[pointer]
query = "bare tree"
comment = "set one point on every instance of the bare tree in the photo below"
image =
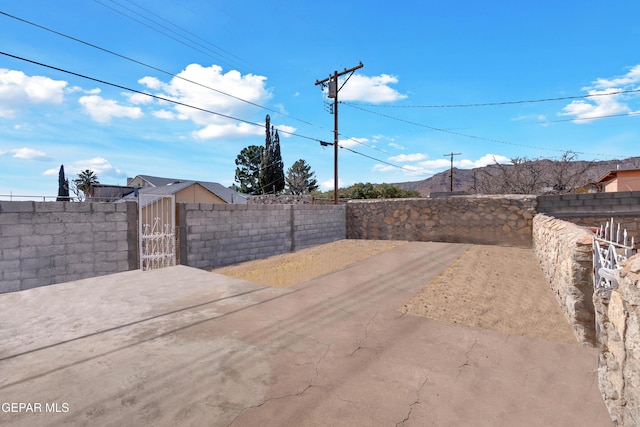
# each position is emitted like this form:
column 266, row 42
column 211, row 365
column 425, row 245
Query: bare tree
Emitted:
column 534, row 176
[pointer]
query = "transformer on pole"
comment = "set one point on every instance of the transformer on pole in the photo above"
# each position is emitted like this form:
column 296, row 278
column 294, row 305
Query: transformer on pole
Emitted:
column 333, row 89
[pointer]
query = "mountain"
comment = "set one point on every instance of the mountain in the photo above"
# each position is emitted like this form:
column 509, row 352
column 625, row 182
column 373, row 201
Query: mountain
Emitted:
column 551, row 173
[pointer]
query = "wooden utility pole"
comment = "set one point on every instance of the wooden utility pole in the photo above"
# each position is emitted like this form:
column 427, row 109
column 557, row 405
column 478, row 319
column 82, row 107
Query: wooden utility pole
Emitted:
column 333, row 93
column 451, row 173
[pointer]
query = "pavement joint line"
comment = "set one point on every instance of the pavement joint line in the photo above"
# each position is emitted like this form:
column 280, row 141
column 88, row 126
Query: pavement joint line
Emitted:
column 130, row 324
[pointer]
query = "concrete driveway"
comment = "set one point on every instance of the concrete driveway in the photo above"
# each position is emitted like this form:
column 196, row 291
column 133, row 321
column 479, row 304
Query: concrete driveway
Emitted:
column 182, row 346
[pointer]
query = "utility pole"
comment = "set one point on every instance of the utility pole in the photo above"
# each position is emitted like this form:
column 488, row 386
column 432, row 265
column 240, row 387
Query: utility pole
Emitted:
column 333, row 93
column 451, row 173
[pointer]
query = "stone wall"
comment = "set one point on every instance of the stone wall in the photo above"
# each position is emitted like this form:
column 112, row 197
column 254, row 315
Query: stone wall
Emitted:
column 218, row 235
column 565, row 253
column 618, row 322
column 485, row 220
column 53, row 242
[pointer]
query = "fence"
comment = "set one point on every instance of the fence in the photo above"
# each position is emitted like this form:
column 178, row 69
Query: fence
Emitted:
column 608, row 253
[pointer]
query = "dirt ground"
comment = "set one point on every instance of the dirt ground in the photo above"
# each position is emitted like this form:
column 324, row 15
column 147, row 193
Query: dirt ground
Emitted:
column 490, row 287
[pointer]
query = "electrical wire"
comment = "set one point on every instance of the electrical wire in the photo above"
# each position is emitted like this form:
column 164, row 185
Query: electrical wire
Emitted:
column 185, row 30
column 159, row 31
column 633, row 113
column 161, row 98
column 491, row 104
column 135, row 61
column 480, row 138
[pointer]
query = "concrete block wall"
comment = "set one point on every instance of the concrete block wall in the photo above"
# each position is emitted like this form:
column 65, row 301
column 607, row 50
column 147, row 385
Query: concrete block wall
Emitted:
column 218, row 235
column 42, row 243
column 619, row 204
column 565, row 253
column 485, row 220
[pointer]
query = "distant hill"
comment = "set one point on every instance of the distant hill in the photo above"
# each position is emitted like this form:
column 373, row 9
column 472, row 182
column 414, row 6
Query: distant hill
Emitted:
column 466, row 179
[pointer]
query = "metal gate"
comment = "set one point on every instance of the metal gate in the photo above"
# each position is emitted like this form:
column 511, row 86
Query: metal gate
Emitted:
column 608, row 252
column 156, row 231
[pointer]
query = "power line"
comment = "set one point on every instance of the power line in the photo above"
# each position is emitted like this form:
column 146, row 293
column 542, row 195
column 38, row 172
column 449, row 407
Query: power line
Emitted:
column 491, row 104
column 633, row 113
column 480, row 138
column 184, row 30
column 188, row 105
column 159, row 31
column 151, row 67
column 152, row 95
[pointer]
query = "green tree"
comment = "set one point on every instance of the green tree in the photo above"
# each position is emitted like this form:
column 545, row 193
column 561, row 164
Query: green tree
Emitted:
column 63, row 186
column 83, row 183
column 248, row 169
column 272, row 168
column 300, row 179
column 371, row 191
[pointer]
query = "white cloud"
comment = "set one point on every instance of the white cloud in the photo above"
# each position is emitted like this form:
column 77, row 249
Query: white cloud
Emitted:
column 352, row 142
column 397, row 146
column 28, row 154
column 370, row 89
column 248, row 87
column 17, row 90
column 164, row 114
column 423, row 166
column 328, row 184
column 139, row 98
column 408, row 170
column 631, row 78
column 151, row 83
column 487, row 159
column 103, row 110
column 404, row 158
column 99, row 165
column 605, row 103
column 597, row 106
column 227, row 130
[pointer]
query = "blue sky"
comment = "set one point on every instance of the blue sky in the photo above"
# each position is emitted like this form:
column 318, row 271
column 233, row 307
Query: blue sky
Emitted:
column 427, row 66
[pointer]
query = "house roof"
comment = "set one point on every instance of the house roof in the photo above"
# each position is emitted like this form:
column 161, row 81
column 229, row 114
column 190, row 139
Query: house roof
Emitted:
column 167, row 186
column 614, row 174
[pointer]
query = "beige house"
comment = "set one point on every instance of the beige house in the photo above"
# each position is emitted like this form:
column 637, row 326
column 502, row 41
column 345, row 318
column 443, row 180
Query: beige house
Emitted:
column 620, row 180
column 185, row 191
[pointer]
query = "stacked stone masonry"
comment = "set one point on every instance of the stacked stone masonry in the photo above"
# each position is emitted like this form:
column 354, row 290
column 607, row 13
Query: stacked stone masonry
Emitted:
column 564, row 251
column 618, row 323
column 485, row 220
column 53, row 242
column 218, row 235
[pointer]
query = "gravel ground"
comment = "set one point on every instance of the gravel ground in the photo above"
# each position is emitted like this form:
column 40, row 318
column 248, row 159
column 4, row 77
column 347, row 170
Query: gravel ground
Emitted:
column 489, row 287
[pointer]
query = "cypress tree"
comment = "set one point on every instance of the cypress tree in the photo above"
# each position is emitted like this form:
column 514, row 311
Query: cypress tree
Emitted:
column 63, row 186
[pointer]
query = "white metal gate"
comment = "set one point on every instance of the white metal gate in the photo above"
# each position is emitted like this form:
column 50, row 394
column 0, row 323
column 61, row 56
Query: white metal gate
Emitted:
column 608, row 252
column 156, row 231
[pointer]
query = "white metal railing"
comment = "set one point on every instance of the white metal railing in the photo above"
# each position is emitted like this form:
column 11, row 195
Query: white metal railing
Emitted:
column 608, row 252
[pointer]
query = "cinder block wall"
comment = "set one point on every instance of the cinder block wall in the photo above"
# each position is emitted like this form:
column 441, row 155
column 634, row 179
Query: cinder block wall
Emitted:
column 618, row 204
column 485, row 220
column 565, row 253
column 218, row 235
column 42, row 243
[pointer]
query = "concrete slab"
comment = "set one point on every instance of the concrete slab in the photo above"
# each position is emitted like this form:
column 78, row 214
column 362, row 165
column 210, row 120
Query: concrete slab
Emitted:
column 186, row 347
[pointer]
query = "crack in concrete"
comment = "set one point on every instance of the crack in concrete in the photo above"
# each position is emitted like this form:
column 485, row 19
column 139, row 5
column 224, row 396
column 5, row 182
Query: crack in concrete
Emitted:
column 366, row 333
column 286, row 396
column 466, row 355
column 415, row 402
